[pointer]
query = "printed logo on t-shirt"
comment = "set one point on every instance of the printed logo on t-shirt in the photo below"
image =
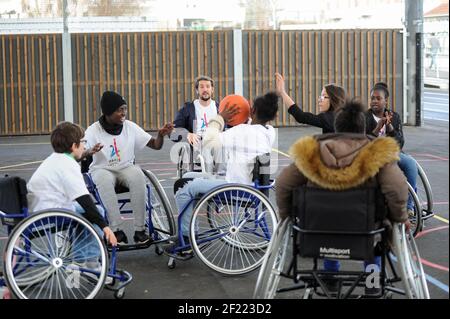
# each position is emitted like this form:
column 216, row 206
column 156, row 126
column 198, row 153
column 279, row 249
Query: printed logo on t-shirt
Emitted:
column 115, row 153
column 204, row 123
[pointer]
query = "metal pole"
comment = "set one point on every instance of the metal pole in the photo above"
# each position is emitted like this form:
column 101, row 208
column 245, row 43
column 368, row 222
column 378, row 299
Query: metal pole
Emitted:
column 414, row 72
column 67, row 67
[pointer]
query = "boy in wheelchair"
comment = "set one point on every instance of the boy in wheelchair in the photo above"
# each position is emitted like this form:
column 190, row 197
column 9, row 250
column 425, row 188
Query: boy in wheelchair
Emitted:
column 114, row 164
column 344, row 161
column 240, row 146
column 58, row 182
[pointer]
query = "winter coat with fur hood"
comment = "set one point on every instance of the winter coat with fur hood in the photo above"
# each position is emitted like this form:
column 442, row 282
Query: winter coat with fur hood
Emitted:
column 342, row 161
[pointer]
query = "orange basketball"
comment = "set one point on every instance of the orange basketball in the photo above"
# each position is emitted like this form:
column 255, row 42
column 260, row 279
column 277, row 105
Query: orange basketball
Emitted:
column 241, row 103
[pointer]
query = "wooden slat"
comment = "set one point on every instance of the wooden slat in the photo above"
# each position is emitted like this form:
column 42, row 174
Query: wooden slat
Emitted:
column 220, row 65
column 290, row 75
column 227, row 91
column 150, row 80
column 250, row 76
column 157, row 64
column 129, row 93
column 330, row 56
column 297, row 72
column 375, row 58
column 137, row 105
column 179, row 101
column 41, row 80
column 382, row 58
column 19, row 84
column 370, row 76
column 34, row 85
column 101, row 87
column 5, row 88
column 144, row 82
column 318, row 85
column 55, row 70
column 171, row 88
column 27, row 85
column 394, row 71
column 257, row 68
column 93, row 60
column 304, row 70
column 164, row 77
column 11, row 78
column 122, row 72
column 49, row 91
column 78, row 78
column 310, row 74
column 108, row 66
column 115, row 66
column 185, row 67
column 87, row 104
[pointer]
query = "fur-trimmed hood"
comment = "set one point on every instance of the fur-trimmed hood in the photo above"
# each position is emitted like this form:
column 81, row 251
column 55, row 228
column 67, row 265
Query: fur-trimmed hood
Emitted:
column 342, row 161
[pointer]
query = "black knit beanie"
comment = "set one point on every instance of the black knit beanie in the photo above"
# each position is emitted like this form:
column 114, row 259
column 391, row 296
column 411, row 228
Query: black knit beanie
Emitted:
column 110, row 102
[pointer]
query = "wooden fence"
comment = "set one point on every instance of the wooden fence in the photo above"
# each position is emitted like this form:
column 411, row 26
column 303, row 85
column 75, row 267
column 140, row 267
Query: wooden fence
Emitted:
column 154, row 71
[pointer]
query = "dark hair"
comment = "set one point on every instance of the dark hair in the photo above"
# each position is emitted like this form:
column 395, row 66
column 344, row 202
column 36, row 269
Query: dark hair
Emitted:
column 266, row 106
column 64, row 135
column 203, row 78
column 350, row 118
column 380, row 86
column 336, row 94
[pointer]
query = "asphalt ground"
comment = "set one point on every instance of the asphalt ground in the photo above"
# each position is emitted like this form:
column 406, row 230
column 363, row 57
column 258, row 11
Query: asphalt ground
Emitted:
column 20, row 156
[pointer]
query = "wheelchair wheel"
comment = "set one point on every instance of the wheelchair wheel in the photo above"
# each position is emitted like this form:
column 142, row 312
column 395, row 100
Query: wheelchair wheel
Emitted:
column 159, row 208
column 415, row 216
column 231, row 228
column 274, row 262
column 424, row 193
column 55, row 255
column 413, row 276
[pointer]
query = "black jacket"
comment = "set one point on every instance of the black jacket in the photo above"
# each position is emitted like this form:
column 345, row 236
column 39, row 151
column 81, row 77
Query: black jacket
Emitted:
column 397, row 133
column 186, row 116
column 323, row 120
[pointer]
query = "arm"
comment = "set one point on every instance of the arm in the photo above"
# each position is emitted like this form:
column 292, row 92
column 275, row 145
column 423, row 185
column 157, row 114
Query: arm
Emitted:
column 181, row 118
column 157, row 143
column 395, row 190
column 91, row 151
column 308, row 118
column 289, row 179
column 93, row 215
column 394, row 129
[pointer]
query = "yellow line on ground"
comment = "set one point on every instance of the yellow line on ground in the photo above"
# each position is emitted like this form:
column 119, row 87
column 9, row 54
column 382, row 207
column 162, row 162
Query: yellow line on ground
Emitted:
column 280, row 152
column 18, row 165
column 442, row 219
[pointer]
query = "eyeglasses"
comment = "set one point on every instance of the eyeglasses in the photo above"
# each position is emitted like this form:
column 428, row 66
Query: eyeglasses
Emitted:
column 322, row 97
column 83, row 141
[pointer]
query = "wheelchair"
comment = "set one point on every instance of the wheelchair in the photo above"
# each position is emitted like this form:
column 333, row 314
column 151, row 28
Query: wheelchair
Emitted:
column 422, row 198
column 348, row 227
column 45, row 255
column 231, row 225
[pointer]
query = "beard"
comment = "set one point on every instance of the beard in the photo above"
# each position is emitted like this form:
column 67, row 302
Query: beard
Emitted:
column 205, row 97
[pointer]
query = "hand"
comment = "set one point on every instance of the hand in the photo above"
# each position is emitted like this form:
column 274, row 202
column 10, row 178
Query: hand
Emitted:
column 192, row 138
column 109, row 235
column 279, row 80
column 94, row 149
column 228, row 112
column 388, row 115
column 381, row 123
column 166, row 129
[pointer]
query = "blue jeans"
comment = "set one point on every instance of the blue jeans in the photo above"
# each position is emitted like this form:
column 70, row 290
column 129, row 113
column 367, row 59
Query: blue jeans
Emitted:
column 334, row 265
column 190, row 191
column 408, row 165
column 86, row 246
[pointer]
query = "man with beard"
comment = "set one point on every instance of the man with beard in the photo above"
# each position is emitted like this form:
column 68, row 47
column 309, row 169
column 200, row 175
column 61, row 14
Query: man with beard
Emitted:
column 195, row 116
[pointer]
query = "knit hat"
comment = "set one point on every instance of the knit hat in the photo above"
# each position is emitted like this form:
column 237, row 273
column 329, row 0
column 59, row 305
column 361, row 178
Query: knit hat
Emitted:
column 110, row 102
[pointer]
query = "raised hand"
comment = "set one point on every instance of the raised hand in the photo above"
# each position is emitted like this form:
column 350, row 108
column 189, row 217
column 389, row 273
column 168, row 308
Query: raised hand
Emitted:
column 279, row 81
column 228, row 112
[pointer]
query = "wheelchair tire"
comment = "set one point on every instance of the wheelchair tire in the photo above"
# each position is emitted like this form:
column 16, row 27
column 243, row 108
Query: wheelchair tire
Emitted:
column 424, row 192
column 274, row 262
column 408, row 259
column 416, row 217
column 231, row 227
column 43, row 258
column 160, row 209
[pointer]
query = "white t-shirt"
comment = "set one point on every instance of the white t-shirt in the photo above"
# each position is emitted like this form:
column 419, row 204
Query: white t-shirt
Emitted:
column 383, row 129
column 203, row 116
column 56, row 183
column 118, row 151
column 242, row 144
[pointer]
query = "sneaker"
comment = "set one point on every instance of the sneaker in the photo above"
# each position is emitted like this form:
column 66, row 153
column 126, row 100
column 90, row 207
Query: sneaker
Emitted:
column 372, row 292
column 140, row 237
column 121, row 237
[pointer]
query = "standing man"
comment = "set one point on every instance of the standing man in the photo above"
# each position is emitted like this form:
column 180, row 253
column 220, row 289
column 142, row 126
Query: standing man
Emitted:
column 195, row 116
column 435, row 47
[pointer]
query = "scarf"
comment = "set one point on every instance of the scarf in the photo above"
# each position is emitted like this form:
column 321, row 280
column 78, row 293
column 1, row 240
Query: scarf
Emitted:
column 114, row 129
